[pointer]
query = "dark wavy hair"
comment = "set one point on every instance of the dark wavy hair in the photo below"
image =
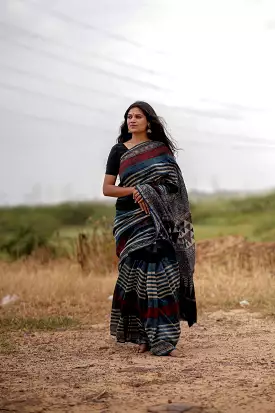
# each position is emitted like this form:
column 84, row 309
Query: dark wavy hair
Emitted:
column 157, row 126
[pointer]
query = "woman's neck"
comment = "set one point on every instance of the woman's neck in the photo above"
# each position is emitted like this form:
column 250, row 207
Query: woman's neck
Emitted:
column 139, row 137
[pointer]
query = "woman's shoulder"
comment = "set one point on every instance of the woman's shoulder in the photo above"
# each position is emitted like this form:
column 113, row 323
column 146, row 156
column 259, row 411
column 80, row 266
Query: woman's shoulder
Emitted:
column 113, row 162
column 118, row 147
column 117, row 151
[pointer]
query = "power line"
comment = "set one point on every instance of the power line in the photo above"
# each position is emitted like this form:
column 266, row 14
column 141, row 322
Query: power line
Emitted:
column 92, row 127
column 92, row 90
column 202, row 113
column 45, row 78
column 85, row 88
column 114, row 36
column 53, row 120
column 101, row 92
column 45, row 39
column 101, row 111
column 50, row 97
column 89, row 53
column 233, row 145
column 84, row 66
column 244, row 138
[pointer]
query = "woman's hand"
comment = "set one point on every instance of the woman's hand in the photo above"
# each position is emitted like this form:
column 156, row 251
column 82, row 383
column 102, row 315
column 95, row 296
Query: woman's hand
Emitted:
column 138, row 198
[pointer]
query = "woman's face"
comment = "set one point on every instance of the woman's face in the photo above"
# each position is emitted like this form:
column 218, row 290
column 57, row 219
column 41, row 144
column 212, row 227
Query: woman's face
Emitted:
column 136, row 121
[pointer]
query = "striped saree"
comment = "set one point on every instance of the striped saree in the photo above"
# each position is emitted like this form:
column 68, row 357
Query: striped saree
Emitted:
column 155, row 288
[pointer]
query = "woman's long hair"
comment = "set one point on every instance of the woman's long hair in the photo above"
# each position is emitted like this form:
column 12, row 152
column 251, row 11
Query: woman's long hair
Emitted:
column 159, row 132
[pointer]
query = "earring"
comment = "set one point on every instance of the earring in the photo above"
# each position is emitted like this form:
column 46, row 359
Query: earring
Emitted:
column 149, row 128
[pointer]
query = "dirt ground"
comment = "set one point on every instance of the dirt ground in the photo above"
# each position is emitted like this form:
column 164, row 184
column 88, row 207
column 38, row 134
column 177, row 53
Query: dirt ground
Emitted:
column 228, row 363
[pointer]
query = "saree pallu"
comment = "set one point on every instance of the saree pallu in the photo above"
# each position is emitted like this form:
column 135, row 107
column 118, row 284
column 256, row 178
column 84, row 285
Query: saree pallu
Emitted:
column 155, row 288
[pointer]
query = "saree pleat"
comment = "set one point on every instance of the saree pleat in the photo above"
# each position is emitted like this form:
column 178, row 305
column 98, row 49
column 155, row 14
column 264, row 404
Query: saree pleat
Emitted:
column 145, row 302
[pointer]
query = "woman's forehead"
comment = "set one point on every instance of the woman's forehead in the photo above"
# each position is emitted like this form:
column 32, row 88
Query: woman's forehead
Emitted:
column 135, row 111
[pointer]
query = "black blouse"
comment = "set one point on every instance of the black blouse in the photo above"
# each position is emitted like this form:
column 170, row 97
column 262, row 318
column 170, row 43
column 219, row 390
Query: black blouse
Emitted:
column 114, row 157
column 125, row 203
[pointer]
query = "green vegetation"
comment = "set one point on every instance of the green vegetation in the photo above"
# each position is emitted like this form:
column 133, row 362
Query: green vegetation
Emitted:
column 25, row 229
column 252, row 217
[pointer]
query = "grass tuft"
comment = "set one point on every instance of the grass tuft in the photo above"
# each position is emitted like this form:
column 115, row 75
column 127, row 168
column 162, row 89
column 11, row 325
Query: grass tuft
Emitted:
column 7, row 345
column 33, row 324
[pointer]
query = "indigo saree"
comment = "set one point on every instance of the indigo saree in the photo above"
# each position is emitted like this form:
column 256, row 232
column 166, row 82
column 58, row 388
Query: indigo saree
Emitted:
column 154, row 290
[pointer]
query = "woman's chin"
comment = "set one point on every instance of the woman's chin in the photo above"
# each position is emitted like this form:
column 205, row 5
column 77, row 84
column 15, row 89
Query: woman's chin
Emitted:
column 136, row 130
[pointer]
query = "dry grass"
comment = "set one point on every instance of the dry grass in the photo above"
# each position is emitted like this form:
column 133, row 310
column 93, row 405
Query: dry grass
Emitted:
column 224, row 287
column 227, row 272
column 57, row 289
column 231, row 269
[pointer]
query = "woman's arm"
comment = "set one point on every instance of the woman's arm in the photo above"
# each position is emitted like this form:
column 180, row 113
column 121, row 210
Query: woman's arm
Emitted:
column 110, row 189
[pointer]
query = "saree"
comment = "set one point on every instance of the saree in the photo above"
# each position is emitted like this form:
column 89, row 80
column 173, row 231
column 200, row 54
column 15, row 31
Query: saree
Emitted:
column 155, row 289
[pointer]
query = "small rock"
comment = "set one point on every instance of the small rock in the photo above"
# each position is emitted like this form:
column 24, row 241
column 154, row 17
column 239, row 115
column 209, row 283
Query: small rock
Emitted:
column 8, row 299
column 171, row 407
column 179, row 408
column 244, row 303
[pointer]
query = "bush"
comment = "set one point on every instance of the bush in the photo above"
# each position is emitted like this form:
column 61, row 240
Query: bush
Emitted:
column 70, row 214
column 24, row 229
column 96, row 251
column 28, row 235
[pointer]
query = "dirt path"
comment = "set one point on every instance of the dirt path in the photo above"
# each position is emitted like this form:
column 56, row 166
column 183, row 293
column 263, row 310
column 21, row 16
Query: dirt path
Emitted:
column 229, row 363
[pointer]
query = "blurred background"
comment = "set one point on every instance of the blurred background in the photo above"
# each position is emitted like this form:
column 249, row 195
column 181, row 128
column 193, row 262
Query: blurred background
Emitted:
column 69, row 69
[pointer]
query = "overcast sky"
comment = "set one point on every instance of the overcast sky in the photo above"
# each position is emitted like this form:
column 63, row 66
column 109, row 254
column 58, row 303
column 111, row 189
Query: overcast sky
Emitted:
column 70, row 68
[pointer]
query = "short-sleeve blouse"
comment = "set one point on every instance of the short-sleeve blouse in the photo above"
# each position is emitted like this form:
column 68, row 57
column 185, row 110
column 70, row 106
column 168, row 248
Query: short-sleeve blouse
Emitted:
column 125, row 203
column 113, row 162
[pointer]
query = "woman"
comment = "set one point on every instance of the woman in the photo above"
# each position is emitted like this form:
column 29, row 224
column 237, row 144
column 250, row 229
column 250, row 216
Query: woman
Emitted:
column 154, row 236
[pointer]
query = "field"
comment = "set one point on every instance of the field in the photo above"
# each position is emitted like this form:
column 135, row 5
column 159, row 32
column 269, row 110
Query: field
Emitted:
column 55, row 351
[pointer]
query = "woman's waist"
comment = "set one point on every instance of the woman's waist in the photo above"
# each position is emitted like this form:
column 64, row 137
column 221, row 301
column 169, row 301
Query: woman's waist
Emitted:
column 126, row 203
